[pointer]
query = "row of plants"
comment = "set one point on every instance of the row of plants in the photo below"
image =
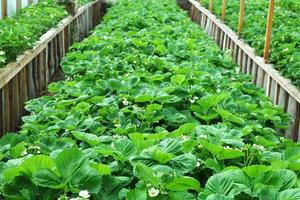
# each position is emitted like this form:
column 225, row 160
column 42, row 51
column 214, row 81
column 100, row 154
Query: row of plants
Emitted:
column 22, row 31
column 151, row 109
column 285, row 46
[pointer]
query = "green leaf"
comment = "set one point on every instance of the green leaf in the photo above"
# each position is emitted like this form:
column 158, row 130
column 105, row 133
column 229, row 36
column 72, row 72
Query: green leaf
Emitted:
column 181, row 196
column 215, row 149
column 291, row 194
column 102, row 169
column 126, row 147
column 214, row 165
column 178, row 79
column 184, row 163
column 161, row 156
column 143, row 98
column 183, row 184
column 68, row 161
column 221, row 183
column 115, row 84
column 145, row 173
column 211, row 100
column 86, row 178
column 91, row 139
column 36, row 163
column 136, row 194
column 230, row 154
column 17, row 150
column 171, row 145
column 254, row 170
column 47, row 178
column 218, row 197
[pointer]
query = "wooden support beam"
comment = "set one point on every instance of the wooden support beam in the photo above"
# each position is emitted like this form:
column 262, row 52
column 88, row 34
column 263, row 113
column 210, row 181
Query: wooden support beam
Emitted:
column 30, row 2
column 224, row 7
column 241, row 17
column 4, row 8
column 269, row 30
column 211, row 5
column 19, row 4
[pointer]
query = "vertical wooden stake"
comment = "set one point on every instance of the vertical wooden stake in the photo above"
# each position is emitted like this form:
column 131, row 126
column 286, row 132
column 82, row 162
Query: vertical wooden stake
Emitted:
column 4, row 8
column 241, row 18
column 224, row 7
column 18, row 4
column 30, row 2
column 211, row 5
column 269, row 30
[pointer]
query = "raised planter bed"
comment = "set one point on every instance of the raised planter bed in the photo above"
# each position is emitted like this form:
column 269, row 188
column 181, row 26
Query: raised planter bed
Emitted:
column 28, row 77
column 280, row 90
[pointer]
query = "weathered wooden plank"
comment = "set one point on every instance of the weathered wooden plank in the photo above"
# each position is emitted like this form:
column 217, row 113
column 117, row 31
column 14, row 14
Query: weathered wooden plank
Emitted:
column 292, row 109
column 282, row 98
column 4, row 8
column 273, row 90
column 41, row 80
column 254, row 72
column 24, row 88
column 36, row 75
column 14, row 103
column 2, row 120
column 31, row 85
column 5, row 108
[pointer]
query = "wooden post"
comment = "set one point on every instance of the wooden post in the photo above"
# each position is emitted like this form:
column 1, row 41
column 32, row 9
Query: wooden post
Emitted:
column 4, row 8
column 269, row 30
column 18, row 4
column 211, row 5
column 224, row 6
column 241, row 18
column 30, row 2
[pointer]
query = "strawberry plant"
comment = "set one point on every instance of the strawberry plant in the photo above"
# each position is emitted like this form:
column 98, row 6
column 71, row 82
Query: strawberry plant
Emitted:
column 285, row 46
column 151, row 109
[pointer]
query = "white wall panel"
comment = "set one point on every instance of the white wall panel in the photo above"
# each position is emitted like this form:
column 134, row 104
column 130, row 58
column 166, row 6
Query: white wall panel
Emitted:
column 11, row 7
column 0, row 9
column 24, row 3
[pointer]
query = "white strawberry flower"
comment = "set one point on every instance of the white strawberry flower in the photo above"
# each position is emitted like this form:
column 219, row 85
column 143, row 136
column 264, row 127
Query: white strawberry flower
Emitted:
column 164, row 192
column 118, row 125
column 185, row 137
column 203, row 136
column 112, row 145
column 259, row 147
column 24, row 153
column 2, row 53
column 192, row 100
column 237, row 149
column 227, row 147
column 198, row 164
column 153, row 192
column 125, row 102
column 84, row 194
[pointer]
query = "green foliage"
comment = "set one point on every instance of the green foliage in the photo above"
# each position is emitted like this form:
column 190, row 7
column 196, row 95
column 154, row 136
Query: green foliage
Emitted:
column 151, row 109
column 285, row 48
column 20, row 32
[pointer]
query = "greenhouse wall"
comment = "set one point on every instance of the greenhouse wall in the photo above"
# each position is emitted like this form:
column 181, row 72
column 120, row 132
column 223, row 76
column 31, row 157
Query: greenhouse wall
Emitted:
column 10, row 7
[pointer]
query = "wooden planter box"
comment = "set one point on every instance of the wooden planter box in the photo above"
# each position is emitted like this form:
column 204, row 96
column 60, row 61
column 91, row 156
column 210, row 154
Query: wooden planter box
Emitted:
column 28, row 77
column 280, row 90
